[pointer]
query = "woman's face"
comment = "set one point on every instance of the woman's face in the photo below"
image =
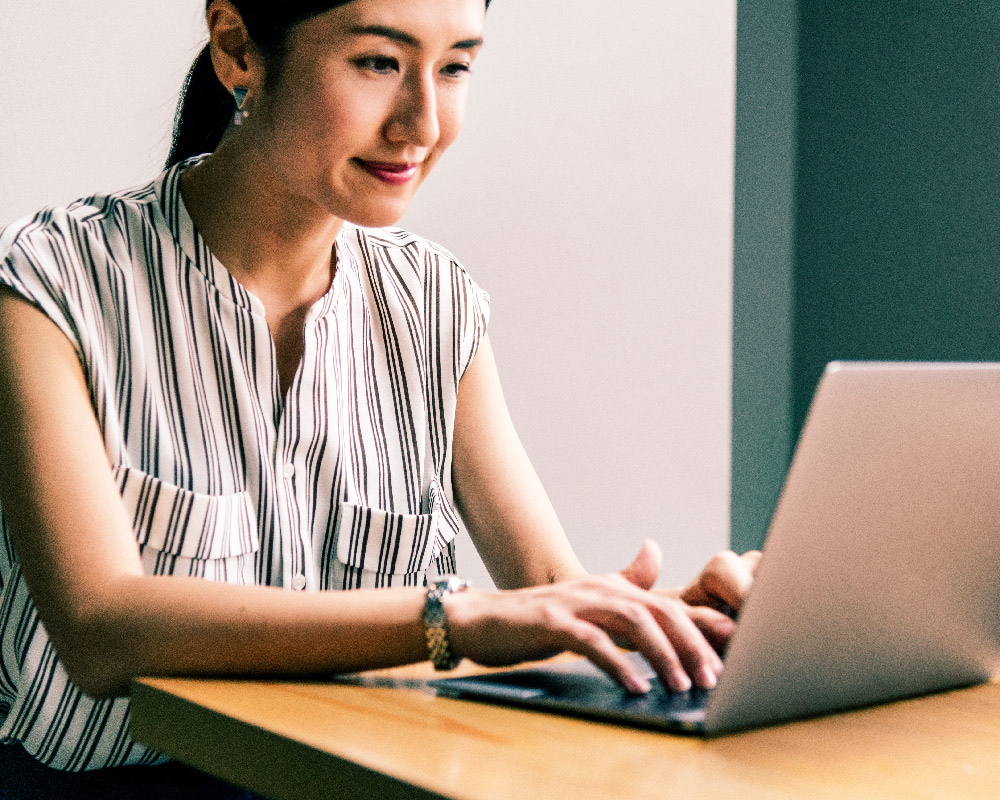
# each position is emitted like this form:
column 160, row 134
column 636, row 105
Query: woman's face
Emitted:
column 369, row 96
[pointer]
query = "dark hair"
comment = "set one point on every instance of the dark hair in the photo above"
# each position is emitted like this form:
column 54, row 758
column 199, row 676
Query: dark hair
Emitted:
column 206, row 107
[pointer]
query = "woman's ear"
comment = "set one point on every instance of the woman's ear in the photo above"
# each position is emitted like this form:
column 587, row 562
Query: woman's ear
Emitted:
column 236, row 60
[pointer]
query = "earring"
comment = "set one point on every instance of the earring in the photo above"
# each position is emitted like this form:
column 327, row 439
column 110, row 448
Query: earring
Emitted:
column 240, row 94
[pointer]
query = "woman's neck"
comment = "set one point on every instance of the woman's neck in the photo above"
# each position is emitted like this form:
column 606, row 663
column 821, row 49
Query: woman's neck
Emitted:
column 279, row 247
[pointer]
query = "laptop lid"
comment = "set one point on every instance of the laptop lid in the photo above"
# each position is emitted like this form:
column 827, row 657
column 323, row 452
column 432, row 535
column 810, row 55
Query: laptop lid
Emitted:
column 881, row 575
column 881, row 570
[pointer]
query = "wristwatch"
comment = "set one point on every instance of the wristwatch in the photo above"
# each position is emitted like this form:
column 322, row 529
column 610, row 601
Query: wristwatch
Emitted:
column 436, row 622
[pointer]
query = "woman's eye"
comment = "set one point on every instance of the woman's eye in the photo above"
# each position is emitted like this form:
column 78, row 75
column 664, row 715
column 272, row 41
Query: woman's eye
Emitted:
column 456, row 70
column 383, row 65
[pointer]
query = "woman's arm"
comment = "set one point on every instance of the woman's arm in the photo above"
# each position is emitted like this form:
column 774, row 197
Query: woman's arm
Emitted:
column 502, row 501
column 515, row 528
column 81, row 562
column 510, row 518
column 110, row 623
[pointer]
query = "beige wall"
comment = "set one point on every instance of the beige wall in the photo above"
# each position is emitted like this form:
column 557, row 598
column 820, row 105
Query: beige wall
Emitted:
column 87, row 94
column 591, row 194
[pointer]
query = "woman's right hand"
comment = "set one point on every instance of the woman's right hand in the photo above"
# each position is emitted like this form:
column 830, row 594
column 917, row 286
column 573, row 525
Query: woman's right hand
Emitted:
column 587, row 615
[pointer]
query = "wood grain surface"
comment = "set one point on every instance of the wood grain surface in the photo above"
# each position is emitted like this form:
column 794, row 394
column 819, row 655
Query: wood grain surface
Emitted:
column 297, row 740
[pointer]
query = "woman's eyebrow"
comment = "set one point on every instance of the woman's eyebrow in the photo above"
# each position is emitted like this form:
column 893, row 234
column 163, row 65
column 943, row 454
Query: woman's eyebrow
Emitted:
column 403, row 37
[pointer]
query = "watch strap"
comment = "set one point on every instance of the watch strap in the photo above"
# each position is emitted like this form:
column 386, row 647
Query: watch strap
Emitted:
column 436, row 622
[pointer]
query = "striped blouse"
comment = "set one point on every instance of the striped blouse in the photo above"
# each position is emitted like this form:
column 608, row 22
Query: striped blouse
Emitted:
column 344, row 482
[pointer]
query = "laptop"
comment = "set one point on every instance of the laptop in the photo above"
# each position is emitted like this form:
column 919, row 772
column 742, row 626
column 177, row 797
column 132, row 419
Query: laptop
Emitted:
column 881, row 571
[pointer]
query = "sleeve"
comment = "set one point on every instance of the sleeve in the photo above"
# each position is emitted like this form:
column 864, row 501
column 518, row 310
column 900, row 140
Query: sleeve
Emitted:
column 472, row 317
column 37, row 264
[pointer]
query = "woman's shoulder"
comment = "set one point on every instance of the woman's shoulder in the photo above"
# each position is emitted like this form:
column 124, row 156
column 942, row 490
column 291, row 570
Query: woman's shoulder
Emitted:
column 65, row 260
column 397, row 239
column 426, row 266
column 91, row 222
column 406, row 247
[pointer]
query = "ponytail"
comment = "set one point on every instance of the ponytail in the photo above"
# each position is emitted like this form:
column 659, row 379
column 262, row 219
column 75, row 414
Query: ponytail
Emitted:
column 203, row 114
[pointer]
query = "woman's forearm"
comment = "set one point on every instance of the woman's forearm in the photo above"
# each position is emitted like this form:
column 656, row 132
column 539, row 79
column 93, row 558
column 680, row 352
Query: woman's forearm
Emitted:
column 502, row 501
column 187, row 626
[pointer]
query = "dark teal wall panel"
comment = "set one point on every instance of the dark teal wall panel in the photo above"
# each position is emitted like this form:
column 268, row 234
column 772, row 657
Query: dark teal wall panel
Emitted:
column 897, row 186
column 763, row 259
column 884, row 242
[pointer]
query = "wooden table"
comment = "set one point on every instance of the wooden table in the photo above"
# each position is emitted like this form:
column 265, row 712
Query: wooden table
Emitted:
column 308, row 740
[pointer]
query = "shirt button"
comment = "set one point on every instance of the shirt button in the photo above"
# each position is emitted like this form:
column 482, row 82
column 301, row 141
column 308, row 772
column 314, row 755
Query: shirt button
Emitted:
column 288, row 471
column 299, row 583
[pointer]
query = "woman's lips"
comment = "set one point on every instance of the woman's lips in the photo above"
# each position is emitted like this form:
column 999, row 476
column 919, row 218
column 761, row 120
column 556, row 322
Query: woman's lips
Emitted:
column 387, row 172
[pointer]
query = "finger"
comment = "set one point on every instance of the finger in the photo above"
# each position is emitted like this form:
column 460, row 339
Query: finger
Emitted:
column 715, row 626
column 645, row 568
column 586, row 639
column 730, row 581
column 699, row 658
column 751, row 558
column 658, row 627
column 726, row 579
column 637, row 624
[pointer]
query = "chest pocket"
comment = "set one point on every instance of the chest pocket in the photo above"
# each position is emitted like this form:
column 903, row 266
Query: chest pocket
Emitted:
column 181, row 532
column 383, row 548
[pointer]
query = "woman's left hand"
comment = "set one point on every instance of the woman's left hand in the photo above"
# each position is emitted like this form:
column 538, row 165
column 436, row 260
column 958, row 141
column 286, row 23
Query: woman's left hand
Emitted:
column 722, row 585
column 724, row 582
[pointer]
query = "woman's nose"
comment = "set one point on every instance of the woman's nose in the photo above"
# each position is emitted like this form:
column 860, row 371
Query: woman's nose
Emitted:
column 415, row 118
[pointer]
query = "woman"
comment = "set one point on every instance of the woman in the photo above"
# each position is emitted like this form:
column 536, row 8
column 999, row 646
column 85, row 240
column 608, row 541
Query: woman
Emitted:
column 230, row 392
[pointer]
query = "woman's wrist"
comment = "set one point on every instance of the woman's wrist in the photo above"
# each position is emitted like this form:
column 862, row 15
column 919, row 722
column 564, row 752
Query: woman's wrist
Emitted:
column 461, row 610
column 568, row 572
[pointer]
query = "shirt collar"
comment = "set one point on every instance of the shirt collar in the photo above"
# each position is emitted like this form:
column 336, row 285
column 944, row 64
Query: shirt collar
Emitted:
column 194, row 247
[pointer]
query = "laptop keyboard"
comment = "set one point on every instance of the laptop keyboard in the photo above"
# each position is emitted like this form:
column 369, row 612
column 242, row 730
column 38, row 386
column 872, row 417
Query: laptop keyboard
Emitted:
column 659, row 699
column 583, row 690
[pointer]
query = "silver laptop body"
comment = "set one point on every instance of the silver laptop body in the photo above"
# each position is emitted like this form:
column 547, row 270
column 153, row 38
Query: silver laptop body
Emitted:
column 881, row 571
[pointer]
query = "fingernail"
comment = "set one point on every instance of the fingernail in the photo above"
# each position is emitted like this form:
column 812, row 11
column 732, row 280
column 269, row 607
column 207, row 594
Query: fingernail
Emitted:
column 708, row 677
column 638, row 685
column 681, row 682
